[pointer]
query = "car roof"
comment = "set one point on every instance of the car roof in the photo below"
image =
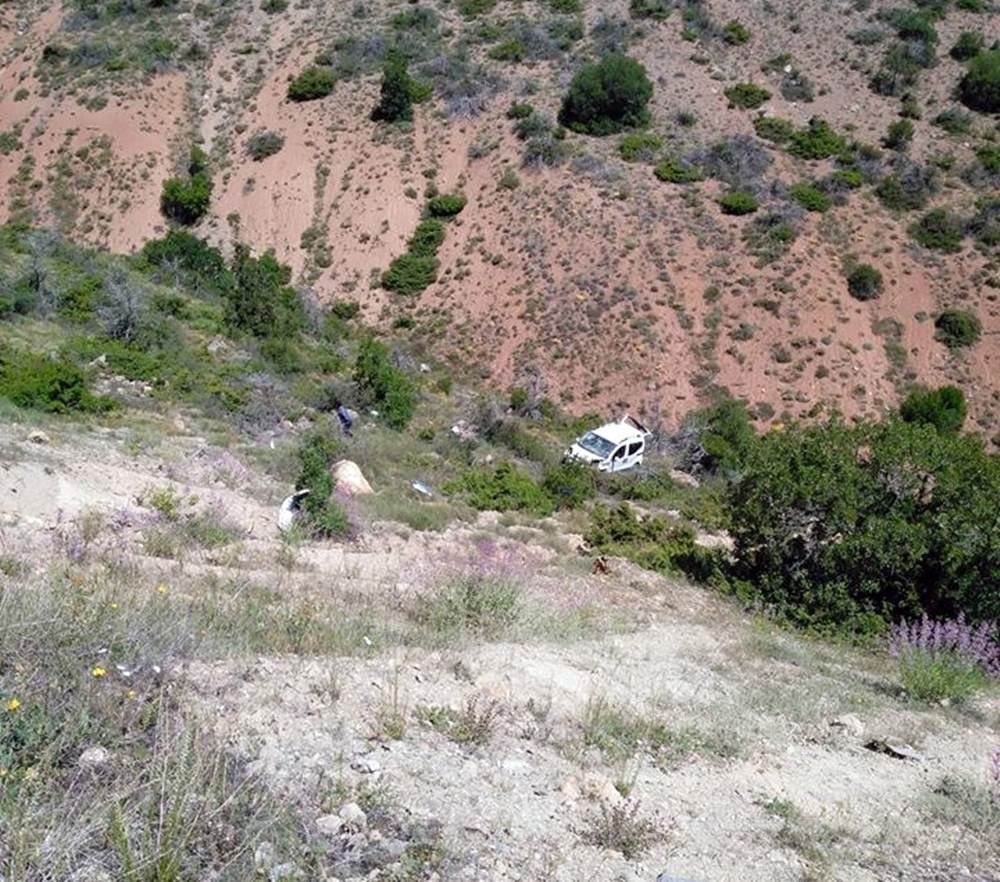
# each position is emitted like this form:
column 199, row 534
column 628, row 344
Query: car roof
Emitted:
column 618, row 432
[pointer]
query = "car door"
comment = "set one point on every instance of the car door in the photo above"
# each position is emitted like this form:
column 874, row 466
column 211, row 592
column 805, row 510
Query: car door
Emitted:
column 619, row 458
column 633, row 454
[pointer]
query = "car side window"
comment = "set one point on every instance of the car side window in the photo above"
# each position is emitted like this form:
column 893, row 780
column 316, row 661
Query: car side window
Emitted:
column 634, row 448
column 619, row 453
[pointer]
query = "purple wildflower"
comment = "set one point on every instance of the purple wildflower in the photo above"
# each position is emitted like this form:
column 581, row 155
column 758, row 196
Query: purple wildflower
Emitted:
column 975, row 644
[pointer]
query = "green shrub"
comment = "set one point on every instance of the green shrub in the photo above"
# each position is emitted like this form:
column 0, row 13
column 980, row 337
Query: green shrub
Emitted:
column 944, row 408
column 724, row 435
column 810, row 197
column 447, row 204
column 314, row 82
column 426, row 238
column 980, row 87
column 658, row 10
column 774, row 129
column 272, row 7
column 676, row 171
column 263, row 144
column 957, row 328
column 850, row 178
column 51, row 385
column 323, row 514
column 607, row 97
column 747, row 96
column 382, row 385
column 509, row 50
column 899, row 135
column 736, row 33
column 936, row 675
column 77, row 302
column 570, row 484
column 852, row 527
column 566, row 7
column 640, row 146
column 186, row 200
column 817, row 141
column 953, row 121
column 864, row 282
column 472, row 8
column 410, row 273
column 939, row 230
column 989, row 157
column 520, row 110
column 395, row 101
column 261, row 301
column 502, row 488
column 968, row 45
column 738, row 202
column 203, row 265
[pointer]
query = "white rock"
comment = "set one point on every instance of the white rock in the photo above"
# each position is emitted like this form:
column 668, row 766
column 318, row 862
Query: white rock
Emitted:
column 849, row 724
column 283, row 872
column 366, row 764
column 679, row 477
column 264, row 857
column 37, row 436
column 425, row 368
column 599, row 787
column 354, row 818
column 329, row 825
column 348, row 479
column 94, row 758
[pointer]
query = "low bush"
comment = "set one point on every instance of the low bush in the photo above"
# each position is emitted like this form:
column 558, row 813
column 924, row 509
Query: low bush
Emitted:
column 395, row 96
column 957, row 328
column 747, row 96
column 520, row 110
column 263, row 144
column 738, row 202
column 607, row 97
column 908, row 188
column 570, row 484
column 410, row 273
column 816, row 141
column 324, row 516
column 939, row 230
column 968, row 45
column 447, row 204
column 658, row 10
column 676, row 171
column 899, row 135
column 380, row 384
column 50, row 385
column 810, row 197
column 979, row 89
column 261, row 301
column 427, row 237
column 502, row 488
column 985, row 223
column 736, row 33
column 640, row 146
column 186, row 200
column 313, row 83
column 953, row 121
column 944, row 408
column 864, row 282
column 774, row 129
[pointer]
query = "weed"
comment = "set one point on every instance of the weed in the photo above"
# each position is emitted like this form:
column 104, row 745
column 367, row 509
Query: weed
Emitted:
column 621, row 828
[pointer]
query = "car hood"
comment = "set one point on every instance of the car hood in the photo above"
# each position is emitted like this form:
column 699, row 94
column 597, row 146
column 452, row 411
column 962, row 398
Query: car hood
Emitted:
column 578, row 452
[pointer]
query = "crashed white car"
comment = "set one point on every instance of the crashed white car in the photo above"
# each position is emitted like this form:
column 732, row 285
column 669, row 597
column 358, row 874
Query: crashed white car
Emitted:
column 614, row 447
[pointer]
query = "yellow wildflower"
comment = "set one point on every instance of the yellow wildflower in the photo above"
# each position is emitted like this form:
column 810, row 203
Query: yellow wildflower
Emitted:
column 114, row 606
column 161, row 588
column 130, row 693
column 13, row 704
column 98, row 671
column 3, row 772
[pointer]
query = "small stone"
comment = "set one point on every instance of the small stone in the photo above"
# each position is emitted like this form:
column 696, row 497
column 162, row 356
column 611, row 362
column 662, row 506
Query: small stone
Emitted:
column 264, row 857
column 849, row 724
column 354, row 818
column 37, row 436
column 599, row 787
column 94, row 758
column 571, row 789
column 367, row 765
column 425, row 368
column 329, row 825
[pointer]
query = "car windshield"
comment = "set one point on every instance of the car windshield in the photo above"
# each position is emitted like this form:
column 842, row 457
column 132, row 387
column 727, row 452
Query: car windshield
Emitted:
column 597, row 445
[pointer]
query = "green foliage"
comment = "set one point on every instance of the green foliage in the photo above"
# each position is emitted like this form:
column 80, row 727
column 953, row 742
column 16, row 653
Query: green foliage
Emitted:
column 979, row 89
column 380, row 384
column 447, row 204
column 736, row 33
column 675, row 171
column 725, row 435
column 816, row 141
column 864, row 282
column 473, row 8
column 508, row 50
column 262, row 302
column 263, row 144
column 957, row 328
column 655, row 543
column 395, row 101
column 427, row 237
column 77, row 302
column 607, row 97
column 936, row 675
column 968, row 45
column 853, row 527
column 313, row 83
column 774, row 129
column 810, row 197
column 570, row 484
column 204, row 266
column 989, row 157
column 324, row 516
column 410, row 273
column 639, row 146
column 899, row 135
column 520, row 110
column 51, row 385
column 738, row 202
column 502, row 488
column 939, row 230
column 186, row 200
column 954, row 121
column 747, row 96
column 658, row 10
column 944, row 408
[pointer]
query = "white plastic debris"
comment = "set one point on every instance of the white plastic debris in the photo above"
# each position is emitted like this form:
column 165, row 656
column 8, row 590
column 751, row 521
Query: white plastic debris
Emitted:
column 290, row 509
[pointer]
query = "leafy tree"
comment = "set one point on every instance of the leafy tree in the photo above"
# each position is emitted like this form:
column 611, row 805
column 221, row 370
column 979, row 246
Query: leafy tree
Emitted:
column 382, row 385
column 607, row 97
column 395, row 104
column 864, row 282
column 944, row 408
column 852, row 527
column 186, row 200
column 957, row 328
column 261, row 301
column 980, row 87
column 724, row 436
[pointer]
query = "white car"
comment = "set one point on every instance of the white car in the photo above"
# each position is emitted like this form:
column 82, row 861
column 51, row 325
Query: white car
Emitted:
column 614, row 447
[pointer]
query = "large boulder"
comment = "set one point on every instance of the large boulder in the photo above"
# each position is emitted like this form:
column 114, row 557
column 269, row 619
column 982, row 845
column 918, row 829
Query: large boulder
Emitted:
column 348, row 480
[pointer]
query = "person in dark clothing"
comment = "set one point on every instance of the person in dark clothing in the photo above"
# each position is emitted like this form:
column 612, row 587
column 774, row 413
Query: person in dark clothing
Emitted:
column 344, row 416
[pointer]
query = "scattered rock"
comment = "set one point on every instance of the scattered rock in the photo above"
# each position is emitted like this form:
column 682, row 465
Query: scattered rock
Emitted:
column 37, row 436
column 348, row 480
column 571, row 789
column 683, row 478
column 353, row 817
column 599, row 787
column 367, row 765
column 94, row 758
column 849, row 724
column 329, row 825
